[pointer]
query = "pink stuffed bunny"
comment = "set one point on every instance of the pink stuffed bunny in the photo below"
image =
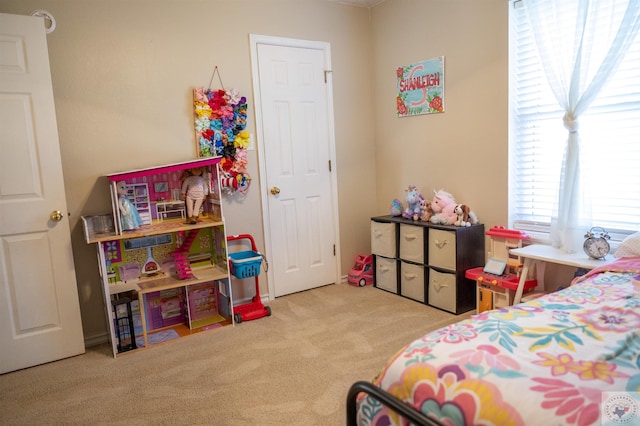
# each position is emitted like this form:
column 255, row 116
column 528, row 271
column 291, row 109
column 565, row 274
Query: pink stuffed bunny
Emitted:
column 443, row 206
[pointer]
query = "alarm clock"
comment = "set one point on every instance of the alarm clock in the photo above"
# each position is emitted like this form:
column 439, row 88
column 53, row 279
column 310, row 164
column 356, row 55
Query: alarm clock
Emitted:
column 596, row 245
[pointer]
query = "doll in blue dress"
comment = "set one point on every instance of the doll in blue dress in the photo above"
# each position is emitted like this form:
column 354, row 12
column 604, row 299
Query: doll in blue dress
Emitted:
column 129, row 216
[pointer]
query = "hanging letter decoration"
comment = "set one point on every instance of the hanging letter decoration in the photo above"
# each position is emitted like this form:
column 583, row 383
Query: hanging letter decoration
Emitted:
column 220, row 124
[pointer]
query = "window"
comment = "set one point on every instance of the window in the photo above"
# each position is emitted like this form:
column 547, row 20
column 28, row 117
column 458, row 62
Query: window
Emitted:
column 609, row 132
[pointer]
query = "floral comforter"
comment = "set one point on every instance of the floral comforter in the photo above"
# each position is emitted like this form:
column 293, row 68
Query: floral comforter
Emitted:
column 545, row 362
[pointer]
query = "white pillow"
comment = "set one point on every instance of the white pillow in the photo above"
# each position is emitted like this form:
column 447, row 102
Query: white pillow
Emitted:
column 629, row 247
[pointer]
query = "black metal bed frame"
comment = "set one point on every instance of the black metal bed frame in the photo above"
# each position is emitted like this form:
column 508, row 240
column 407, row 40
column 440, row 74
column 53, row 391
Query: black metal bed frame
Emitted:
column 390, row 401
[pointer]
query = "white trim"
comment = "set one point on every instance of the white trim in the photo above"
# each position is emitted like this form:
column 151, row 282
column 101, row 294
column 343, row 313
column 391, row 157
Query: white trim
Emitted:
column 255, row 40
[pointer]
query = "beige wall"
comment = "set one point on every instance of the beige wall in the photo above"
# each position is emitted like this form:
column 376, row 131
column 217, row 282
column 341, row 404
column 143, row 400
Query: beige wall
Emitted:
column 463, row 150
column 123, row 71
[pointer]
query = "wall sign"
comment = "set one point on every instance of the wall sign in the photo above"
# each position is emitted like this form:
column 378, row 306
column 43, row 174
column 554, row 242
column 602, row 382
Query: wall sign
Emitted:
column 420, row 88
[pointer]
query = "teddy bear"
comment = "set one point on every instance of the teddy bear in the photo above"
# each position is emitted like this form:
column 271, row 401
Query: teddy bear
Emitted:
column 425, row 210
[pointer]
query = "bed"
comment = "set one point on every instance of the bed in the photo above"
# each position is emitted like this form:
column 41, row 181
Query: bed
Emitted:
column 546, row 362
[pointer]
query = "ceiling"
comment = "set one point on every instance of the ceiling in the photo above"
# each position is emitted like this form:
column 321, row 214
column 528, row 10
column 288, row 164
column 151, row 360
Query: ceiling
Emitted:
column 362, row 3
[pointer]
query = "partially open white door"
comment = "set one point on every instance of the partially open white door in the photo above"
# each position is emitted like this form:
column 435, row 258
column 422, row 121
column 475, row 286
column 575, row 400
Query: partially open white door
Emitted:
column 39, row 309
column 297, row 159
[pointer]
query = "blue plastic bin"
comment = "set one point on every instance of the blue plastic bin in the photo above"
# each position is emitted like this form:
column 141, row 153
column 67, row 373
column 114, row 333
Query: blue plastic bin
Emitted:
column 245, row 264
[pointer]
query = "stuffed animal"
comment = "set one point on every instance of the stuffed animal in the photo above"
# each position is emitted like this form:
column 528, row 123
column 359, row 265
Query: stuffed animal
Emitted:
column 443, row 206
column 396, row 207
column 413, row 209
column 466, row 216
column 425, row 210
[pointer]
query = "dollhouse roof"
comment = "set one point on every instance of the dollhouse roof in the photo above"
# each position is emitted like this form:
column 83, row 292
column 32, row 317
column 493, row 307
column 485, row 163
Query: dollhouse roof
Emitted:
column 200, row 162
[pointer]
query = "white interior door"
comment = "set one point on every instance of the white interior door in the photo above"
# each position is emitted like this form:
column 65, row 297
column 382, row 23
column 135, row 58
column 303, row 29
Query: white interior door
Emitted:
column 295, row 128
column 39, row 309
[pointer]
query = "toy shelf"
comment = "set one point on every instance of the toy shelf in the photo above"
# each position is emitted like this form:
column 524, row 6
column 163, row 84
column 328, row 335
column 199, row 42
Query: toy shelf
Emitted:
column 201, row 275
column 156, row 285
column 165, row 282
column 167, row 226
column 123, row 287
column 183, row 329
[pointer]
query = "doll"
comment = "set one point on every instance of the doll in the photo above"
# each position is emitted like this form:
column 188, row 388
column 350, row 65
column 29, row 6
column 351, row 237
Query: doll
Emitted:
column 129, row 216
column 194, row 191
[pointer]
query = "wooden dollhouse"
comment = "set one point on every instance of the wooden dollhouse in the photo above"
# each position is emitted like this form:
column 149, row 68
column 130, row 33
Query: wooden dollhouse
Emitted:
column 169, row 274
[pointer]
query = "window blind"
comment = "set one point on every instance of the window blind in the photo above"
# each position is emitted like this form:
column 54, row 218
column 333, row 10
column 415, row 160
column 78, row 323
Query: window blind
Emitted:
column 609, row 132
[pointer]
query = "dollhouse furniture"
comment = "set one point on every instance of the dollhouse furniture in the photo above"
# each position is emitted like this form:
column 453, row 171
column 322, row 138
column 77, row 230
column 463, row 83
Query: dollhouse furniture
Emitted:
column 129, row 271
column 188, row 290
column 166, row 209
column 426, row 262
column 138, row 193
column 123, row 319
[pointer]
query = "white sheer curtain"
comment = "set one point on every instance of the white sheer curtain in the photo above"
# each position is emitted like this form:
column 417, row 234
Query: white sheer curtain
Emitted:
column 580, row 43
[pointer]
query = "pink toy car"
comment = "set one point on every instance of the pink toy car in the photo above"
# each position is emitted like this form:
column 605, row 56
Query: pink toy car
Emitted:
column 362, row 272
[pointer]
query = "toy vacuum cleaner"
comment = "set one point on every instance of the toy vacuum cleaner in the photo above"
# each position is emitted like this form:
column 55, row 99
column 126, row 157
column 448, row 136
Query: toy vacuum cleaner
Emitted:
column 246, row 264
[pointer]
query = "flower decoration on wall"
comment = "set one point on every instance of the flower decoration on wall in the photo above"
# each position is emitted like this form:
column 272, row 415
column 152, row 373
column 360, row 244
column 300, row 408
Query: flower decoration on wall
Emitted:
column 220, row 123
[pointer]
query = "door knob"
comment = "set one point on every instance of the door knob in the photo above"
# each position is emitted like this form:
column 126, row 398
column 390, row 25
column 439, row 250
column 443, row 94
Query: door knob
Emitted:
column 56, row 216
column 275, row 190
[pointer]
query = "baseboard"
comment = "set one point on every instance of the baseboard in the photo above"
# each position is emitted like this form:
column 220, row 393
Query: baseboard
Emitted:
column 96, row 339
column 264, row 298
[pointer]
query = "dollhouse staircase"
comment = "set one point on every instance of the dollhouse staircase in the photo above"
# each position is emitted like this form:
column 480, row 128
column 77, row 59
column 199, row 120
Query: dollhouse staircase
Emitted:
column 183, row 266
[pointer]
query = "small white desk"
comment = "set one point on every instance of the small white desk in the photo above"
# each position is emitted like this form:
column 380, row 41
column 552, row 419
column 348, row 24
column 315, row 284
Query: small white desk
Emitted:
column 542, row 254
column 165, row 208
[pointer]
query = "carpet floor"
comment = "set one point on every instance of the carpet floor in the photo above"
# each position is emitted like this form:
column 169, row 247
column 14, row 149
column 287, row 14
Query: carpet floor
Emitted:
column 292, row 368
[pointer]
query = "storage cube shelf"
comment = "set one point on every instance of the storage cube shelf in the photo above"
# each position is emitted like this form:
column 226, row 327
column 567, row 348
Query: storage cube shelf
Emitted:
column 176, row 274
column 427, row 262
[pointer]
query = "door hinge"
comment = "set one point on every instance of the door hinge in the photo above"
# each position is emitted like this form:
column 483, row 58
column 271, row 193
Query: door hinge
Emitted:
column 325, row 74
column 329, row 165
column 334, row 249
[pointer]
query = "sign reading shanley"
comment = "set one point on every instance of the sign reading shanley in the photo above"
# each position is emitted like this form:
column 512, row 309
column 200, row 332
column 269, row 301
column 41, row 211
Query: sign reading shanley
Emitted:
column 421, row 88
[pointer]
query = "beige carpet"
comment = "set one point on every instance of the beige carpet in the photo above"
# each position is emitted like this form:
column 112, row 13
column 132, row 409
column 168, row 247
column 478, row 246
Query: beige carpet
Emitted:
column 293, row 368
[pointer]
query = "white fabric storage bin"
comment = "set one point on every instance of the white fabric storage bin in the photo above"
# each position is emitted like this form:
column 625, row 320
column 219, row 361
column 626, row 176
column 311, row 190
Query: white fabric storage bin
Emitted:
column 383, row 239
column 442, row 249
column 442, row 290
column 412, row 281
column 412, row 243
column 386, row 274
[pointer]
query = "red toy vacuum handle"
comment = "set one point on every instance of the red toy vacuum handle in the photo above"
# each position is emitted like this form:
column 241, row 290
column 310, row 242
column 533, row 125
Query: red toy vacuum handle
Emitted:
column 265, row 264
column 241, row 237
